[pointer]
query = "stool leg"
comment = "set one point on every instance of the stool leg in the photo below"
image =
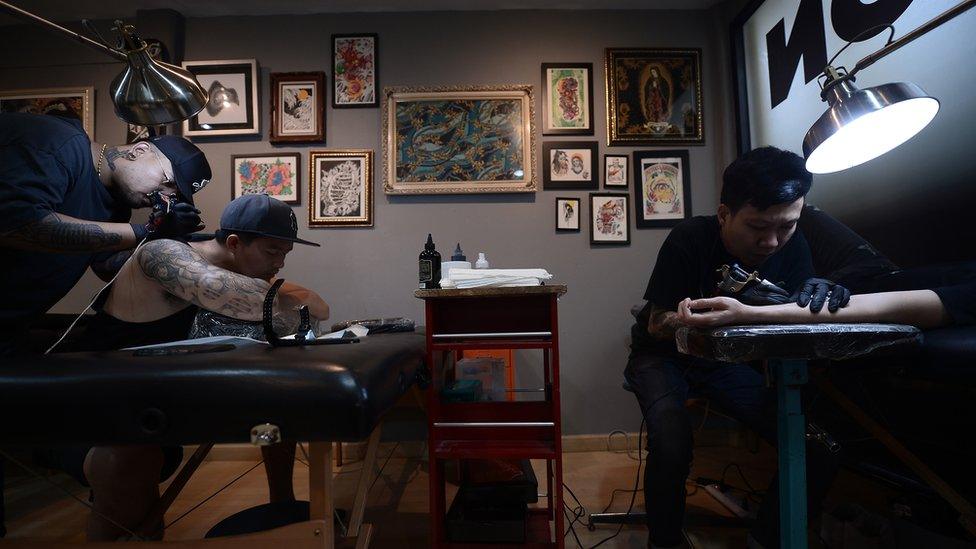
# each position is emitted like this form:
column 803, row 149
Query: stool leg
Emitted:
column 790, row 376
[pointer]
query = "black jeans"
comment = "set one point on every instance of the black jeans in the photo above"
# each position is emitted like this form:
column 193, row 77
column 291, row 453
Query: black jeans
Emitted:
column 662, row 386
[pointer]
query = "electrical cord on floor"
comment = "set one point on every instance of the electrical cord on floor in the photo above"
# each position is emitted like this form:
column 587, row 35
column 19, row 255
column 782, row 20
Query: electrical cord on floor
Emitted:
column 211, row 496
column 626, row 444
column 633, row 495
column 577, row 515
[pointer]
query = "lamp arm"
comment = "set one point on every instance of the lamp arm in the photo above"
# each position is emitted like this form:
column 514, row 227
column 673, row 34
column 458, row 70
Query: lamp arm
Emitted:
column 31, row 18
column 870, row 59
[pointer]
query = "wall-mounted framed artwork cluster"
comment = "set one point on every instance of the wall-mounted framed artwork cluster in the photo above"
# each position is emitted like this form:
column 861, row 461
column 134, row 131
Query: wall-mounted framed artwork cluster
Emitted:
column 459, row 140
column 76, row 102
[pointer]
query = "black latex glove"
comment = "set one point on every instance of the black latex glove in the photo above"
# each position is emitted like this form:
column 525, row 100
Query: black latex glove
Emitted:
column 815, row 291
column 180, row 220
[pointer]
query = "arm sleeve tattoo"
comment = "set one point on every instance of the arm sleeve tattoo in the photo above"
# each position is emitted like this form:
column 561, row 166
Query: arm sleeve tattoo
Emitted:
column 662, row 323
column 53, row 234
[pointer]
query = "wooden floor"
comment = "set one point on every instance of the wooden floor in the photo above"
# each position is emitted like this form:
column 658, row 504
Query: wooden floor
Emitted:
column 398, row 499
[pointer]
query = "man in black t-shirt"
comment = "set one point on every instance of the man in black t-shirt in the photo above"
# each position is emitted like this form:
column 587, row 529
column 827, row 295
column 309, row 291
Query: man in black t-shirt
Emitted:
column 759, row 227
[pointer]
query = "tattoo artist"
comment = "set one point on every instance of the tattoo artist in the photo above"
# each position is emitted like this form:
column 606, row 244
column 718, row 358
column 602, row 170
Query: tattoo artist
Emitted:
column 65, row 203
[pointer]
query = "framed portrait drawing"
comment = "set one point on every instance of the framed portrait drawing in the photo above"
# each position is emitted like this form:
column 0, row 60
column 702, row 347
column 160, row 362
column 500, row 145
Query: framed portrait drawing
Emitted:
column 459, row 140
column 608, row 219
column 567, row 214
column 355, row 70
column 276, row 175
column 297, row 107
column 340, row 188
column 72, row 102
column 567, row 100
column 615, row 170
column 233, row 105
column 662, row 188
column 654, row 96
column 570, row 165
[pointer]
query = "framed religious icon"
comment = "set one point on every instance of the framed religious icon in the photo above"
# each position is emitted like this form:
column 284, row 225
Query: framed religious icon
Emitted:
column 567, row 214
column 459, row 140
column 615, row 170
column 276, row 175
column 567, row 101
column 654, row 96
column 570, row 165
column 662, row 188
column 75, row 102
column 233, row 105
column 297, row 107
column 340, row 188
column 355, row 70
column 608, row 218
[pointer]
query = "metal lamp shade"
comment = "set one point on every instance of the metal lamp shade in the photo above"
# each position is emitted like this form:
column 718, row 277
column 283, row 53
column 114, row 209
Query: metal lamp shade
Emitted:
column 152, row 93
column 863, row 124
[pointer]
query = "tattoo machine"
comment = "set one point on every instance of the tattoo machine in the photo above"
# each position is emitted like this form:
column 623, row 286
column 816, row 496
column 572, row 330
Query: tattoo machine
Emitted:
column 162, row 203
column 749, row 288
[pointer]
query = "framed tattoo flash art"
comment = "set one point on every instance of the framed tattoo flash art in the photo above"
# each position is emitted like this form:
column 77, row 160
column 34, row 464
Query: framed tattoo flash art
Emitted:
column 459, row 140
column 74, row 102
column 233, row 105
column 567, row 101
column 340, row 188
column 297, row 107
column 662, row 188
column 608, row 219
column 654, row 96
column 355, row 70
column 615, row 170
column 570, row 165
column 567, row 214
column 276, row 175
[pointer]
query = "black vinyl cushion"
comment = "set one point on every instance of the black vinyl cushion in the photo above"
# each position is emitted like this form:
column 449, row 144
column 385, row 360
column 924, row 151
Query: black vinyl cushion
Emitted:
column 324, row 392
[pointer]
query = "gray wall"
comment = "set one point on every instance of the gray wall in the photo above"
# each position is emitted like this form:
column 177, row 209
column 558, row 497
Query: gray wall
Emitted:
column 372, row 272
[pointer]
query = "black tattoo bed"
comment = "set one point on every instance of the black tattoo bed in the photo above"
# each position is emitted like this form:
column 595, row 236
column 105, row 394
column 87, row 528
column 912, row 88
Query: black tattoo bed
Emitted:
column 317, row 394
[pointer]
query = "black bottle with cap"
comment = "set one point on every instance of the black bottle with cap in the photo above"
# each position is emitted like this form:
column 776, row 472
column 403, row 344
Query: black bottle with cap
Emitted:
column 430, row 266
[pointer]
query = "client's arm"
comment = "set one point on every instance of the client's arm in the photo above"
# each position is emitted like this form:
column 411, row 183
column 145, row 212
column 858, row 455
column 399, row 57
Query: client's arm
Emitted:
column 921, row 308
column 295, row 296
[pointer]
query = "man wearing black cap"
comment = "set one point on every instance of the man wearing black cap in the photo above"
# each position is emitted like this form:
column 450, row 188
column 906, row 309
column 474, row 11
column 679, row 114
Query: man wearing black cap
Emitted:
column 65, row 203
column 154, row 300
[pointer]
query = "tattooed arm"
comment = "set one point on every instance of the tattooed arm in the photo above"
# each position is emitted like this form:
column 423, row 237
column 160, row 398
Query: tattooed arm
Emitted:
column 60, row 233
column 662, row 323
column 183, row 272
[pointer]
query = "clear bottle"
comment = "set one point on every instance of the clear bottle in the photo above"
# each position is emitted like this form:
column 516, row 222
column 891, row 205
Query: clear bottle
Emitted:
column 482, row 262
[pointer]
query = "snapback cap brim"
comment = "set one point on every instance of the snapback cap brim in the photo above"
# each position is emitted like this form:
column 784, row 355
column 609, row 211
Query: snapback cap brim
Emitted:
column 275, row 236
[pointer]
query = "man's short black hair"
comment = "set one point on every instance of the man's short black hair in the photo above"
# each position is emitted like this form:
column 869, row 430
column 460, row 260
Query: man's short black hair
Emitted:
column 221, row 236
column 765, row 177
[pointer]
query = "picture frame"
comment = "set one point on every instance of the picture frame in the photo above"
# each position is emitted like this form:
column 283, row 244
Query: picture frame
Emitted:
column 430, row 148
column 567, row 214
column 616, row 170
column 355, row 71
column 76, row 101
column 297, row 107
column 662, row 188
column 567, row 98
column 278, row 175
column 340, row 188
column 570, row 165
column 233, row 107
column 654, row 96
column 609, row 219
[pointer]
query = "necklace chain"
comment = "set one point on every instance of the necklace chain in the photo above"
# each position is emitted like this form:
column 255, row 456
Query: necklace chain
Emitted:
column 98, row 166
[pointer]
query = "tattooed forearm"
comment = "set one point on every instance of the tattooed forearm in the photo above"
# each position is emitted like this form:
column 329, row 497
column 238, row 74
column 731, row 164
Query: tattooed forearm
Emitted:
column 184, row 273
column 53, row 233
column 662, row 323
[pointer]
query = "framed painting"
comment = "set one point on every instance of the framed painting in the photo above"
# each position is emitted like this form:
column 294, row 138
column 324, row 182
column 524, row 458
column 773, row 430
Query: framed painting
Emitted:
column 570, row 165
column 662, row 188
column 567, row 103
column 567, row 214
column 608, row 219
column 654, row 96
column 615, row 170
column 297, row 107
column 459, row 140
column 276, row 175
column 340, row 188
column 76, row 103
column 233, row 105
column 355, row 70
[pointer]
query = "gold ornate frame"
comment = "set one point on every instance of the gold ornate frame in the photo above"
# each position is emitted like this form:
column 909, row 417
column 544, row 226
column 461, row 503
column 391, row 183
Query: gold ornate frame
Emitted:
column 87, row 94
column 522, row 92
column 366, row 217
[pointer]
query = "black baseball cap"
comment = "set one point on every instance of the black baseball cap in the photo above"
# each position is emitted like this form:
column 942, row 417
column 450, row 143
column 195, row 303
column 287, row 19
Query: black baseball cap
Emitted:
column 190, row 167
column 261, row 215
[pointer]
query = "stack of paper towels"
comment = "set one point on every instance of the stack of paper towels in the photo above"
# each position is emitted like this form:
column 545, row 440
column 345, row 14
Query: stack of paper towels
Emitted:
column 486, row 278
